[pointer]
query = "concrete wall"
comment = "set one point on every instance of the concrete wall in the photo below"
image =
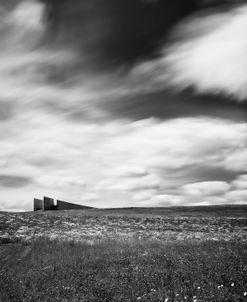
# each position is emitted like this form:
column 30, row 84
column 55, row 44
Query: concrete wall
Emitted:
column 48, row 203
column 63, row 205
column 38, row 204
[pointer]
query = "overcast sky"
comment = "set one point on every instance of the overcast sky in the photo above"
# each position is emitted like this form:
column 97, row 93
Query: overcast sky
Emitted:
column 123, row 102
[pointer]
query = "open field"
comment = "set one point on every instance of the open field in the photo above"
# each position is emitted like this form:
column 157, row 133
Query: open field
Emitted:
column 165, row 224
column 124, row 255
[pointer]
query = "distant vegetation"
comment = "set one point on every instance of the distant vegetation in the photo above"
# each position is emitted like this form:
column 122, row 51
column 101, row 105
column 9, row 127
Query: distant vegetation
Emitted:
column 123, row 255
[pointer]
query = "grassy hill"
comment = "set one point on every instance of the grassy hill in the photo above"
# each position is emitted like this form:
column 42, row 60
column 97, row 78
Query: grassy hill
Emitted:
column 130, row 254
column 181, row 211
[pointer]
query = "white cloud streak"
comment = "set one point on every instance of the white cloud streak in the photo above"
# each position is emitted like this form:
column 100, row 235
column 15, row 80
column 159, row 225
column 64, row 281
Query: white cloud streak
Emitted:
column 209, row 54
column 206, row 188
column 215, row 61
column 241, row 182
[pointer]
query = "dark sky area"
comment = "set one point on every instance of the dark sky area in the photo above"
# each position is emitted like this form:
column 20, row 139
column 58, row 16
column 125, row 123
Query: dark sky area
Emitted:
column 119, row 32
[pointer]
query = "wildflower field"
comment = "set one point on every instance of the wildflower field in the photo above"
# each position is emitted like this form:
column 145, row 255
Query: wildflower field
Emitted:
column 124, row 255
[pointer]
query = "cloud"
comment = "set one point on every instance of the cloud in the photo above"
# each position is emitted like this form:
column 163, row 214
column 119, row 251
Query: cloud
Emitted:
column 28, row 14
column 13, row 181
column 99, row 31
column 123, row 163
column 237, row 159
column 128, row 182
column 6, row 110
column 151, row 198
column 22, row 27
column 237, row 196
column 127, row 171
column 212, row 57
column 205, row 52
column 136, row 184
column 16, row 207
column 241, row 182
column 168, row 200
column 144, row 195
column 121, row 156
column 145, row 102
column 39, row 76
column 206, row 188
column 59, row 181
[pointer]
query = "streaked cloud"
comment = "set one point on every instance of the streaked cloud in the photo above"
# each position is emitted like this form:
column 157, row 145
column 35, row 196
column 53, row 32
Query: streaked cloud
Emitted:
column 213, row 57
column 241, row 182
column 206, row 188
column 169, row 200
column 207, row 53
column 13, row 181
column 144, row 195
column 132, row 184
column 237, row 196
column 60, row 181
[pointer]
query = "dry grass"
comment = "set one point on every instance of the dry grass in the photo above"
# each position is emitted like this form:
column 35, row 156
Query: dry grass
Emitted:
column 97, row 225
column 122, row 255
column 56, row 271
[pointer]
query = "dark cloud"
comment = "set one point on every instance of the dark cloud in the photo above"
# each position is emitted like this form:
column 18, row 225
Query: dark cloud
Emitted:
column 12, row 181
column 114, row 31
column 168, row 105
column 206, row 173
column 117, row 32
column 10, row 4
column 6, row 110
column 203, row 173
column 194, row 173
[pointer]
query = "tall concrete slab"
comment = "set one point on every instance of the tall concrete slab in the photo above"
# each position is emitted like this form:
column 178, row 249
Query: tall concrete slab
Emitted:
column 38, row 204
column 48, row 203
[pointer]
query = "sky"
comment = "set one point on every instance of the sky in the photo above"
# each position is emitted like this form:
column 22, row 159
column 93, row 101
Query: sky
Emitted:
column 123, row 103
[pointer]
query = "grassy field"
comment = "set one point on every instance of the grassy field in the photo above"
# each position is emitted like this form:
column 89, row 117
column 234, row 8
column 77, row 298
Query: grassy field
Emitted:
column 124, row 255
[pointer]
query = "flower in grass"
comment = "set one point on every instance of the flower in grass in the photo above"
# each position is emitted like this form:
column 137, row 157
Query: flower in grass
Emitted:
column 198, row 287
